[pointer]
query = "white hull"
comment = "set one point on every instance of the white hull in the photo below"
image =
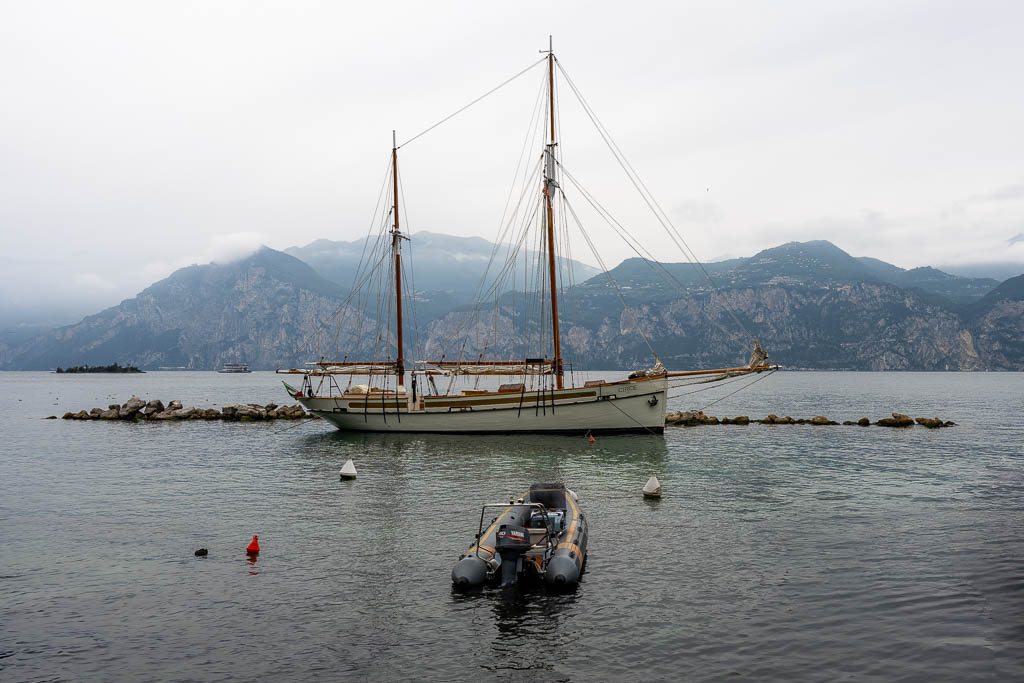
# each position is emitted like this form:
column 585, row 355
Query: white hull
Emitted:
column 631, row 406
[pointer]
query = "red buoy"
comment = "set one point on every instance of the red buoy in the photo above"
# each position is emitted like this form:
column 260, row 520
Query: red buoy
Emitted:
column 254, row 547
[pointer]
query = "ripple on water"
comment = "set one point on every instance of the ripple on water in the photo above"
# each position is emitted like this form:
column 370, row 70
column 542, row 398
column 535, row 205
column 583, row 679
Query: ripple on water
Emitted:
column 776, row 553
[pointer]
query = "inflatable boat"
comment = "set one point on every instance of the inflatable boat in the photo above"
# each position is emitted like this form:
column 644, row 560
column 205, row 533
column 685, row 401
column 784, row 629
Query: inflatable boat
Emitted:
column 538, row 537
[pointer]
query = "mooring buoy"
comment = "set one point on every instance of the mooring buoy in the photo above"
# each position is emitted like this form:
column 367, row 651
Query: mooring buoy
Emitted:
column 652, row 489
column 348, row 470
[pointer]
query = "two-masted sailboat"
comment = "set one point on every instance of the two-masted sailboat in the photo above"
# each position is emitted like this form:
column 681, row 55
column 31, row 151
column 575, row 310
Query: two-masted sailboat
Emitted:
column 535, row 396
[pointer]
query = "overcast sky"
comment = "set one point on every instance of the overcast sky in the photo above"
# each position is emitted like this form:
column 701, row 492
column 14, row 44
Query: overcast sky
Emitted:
column 138, row 137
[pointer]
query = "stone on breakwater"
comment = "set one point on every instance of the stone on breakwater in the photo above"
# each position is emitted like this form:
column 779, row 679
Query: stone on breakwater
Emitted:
column 864, row 422
column 131, row 407
column 174, row 405
column 897, row 420
column 690, row 418
column 153, row 407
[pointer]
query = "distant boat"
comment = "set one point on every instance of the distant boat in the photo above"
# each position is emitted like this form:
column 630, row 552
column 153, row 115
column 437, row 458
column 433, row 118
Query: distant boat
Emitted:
column 235, row 368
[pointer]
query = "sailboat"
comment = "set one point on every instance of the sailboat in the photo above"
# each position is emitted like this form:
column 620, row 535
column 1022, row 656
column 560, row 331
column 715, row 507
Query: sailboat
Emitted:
column 536, row 397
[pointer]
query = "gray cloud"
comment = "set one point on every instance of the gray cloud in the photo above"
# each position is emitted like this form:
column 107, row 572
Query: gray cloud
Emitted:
column 137, row 137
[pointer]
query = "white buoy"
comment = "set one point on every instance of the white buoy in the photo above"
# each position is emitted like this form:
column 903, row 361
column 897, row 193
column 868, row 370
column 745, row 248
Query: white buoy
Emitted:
column 652, row 489
column 348, row 470
column 573, row 495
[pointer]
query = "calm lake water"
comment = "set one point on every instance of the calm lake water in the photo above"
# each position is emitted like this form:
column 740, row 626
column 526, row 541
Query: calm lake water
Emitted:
column 778, row 552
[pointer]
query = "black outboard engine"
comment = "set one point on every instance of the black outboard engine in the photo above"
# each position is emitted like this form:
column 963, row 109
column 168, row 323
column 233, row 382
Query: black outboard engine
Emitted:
column 511, row 542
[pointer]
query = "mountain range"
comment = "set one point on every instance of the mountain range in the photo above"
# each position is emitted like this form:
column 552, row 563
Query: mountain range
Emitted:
column 810, row 304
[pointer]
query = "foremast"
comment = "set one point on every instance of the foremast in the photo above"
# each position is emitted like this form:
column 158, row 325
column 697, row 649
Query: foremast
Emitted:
column 549, row 186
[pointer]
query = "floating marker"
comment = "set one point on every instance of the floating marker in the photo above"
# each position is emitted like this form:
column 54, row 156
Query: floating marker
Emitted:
column 348, row 470
column 254, row 547
column 652, row 489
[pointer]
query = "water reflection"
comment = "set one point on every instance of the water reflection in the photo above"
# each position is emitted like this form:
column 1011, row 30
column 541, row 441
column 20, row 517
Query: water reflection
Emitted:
column 557, row 453
column 530, row 617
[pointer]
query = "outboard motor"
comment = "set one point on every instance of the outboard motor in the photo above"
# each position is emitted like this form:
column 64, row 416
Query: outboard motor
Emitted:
column 511, row 542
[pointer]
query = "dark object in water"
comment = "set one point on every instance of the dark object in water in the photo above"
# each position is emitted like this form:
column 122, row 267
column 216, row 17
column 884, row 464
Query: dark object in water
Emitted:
column 541, row 536
column 202, row 552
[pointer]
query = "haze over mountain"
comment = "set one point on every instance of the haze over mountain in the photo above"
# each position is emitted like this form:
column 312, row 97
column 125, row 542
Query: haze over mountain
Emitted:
column 810, row 304
column 441, row 262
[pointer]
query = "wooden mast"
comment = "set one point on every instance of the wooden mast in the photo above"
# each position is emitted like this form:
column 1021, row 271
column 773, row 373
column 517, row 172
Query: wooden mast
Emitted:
column 396, row 249
column 549, row 184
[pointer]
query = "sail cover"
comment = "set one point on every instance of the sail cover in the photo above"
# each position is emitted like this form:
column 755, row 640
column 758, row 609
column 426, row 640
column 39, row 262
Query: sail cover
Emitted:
column 758, row 357
column 352, row 368
column 455, row 368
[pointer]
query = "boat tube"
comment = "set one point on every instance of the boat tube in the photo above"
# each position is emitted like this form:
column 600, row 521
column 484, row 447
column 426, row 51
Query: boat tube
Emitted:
column 538, row 537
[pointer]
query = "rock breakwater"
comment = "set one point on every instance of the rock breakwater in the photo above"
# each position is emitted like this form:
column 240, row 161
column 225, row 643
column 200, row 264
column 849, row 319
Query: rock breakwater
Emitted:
column 693, row 418
column 137, row 409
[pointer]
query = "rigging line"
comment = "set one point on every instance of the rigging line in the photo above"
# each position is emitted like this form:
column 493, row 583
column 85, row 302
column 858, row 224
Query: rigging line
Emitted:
column 649, row 259
column 649, row 430
column 516, row 248
column 713, row 384
column 746, row 386
column 464, row 108
column 530, row 133
column 337, row 310
column 646, row 256
column 625, row 307
column 529, row 172
column 511, row 251
column 512, row 248
column 646, row 194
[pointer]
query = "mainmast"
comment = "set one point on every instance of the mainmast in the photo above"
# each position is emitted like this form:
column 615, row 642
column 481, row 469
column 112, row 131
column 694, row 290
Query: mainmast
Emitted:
column 549, row 185
column 396, row 250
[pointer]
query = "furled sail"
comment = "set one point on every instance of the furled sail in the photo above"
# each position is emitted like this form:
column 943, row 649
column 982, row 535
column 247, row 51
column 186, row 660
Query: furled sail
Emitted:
column 346, row 368
column 759, row 357
column 512, row 367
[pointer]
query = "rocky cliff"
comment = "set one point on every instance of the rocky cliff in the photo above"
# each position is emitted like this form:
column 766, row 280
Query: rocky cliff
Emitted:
column 810, row 305
column 265, row 311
